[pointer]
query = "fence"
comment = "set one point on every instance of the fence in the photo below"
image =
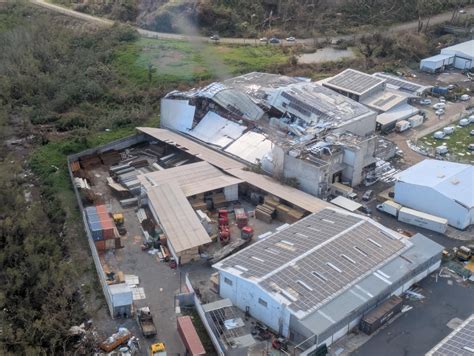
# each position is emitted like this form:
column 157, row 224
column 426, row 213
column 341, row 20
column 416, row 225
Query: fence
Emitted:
column 202, row 315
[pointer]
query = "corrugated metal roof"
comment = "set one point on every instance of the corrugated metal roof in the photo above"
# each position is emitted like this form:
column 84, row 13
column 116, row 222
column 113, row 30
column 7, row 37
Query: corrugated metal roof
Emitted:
column 236, row 169
column 177, row 114
column 251, row 147
column 291, row 195
column 454, row 180
column 177, row 218
column 459, row 343
column 216, row 130
column 315, row 259
column 397, row 113
column 421, row 250
column 437, row 58
column 466, row 47
column 354, row 81
column 215, row 158
column 345, row 203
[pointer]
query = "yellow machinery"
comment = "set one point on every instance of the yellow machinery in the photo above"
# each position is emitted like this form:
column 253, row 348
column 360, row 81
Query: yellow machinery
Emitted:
column 158, row 349
column 118, row 218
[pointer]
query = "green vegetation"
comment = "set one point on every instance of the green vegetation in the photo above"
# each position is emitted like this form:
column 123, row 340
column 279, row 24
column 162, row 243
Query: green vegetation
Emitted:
column 456, row 142
column 162, row 62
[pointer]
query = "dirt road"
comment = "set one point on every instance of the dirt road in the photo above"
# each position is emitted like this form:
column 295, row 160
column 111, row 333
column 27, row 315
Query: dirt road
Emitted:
column 309, row 41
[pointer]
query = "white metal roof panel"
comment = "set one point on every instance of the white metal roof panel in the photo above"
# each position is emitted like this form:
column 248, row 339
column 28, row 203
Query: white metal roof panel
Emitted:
column 216, row 130
column 251, row 147
column 399, row 112
column 466, row 48
column 177, row 218
column 454, row 180
column 345, row 203
column 177, row 114
column 438, row 58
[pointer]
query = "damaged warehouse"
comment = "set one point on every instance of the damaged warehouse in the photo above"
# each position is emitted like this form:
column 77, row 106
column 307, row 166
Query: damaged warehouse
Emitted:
column 290, row 128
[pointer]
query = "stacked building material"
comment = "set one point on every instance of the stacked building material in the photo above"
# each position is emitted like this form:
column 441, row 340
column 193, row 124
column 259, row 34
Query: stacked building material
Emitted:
column 110, row 158
column 75, row 166
column 102, row 228
column 219, row 200
column 288, row 215
column 138, row 163
column 264, row 212
column 90, row 161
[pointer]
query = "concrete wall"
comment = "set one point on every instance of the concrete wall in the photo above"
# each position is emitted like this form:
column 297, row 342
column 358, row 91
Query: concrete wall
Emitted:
column 245, row 294
column 362, row 126
column 309, row 176
column 356, row 159
column 430, row 201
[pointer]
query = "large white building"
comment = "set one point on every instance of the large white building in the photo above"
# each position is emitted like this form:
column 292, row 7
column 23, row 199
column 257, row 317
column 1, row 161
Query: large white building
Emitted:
column 460, row 56
column 440, row 188
column 314, row 280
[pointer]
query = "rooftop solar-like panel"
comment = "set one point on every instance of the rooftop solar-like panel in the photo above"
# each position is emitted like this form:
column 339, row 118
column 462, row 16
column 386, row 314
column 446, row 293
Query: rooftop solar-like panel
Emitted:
column 459, row 343
column 400, row 83
column 354, row 81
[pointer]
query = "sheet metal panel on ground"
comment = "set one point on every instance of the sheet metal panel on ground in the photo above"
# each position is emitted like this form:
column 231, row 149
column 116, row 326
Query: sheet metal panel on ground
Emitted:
column 177, row 217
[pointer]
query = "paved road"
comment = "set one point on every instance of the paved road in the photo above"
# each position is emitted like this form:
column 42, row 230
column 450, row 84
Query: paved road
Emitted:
column 152, row 34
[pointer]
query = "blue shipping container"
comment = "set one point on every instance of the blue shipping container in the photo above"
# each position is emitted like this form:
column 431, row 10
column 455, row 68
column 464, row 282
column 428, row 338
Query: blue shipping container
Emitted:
column 90, row 210
column 440, row 90
column 96, row 230
column 93, row 218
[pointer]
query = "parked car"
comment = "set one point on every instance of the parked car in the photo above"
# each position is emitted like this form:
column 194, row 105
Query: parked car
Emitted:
column 465, row 97
column 442, row 99
column 365, row 209
column 274, row 40
column 291, row 39
column 471, row 147
column 451, row 86
column 215, row 37
column 464, row 122
column 263, row 39
column 438, row 106
column 439, row 112
column 472, row 132
column 368, row 195
column 425, row 102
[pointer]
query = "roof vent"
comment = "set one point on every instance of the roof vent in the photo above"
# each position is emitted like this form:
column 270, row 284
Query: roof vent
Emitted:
column 455, row 181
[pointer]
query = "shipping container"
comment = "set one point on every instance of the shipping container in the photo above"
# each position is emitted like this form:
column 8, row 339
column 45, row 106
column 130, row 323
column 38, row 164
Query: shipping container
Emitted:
column 427, row 221
column 381, row 314
column 109, row 244
column 402, row 126
column 118, row 243
column 440, row 90
column 108, row 230
column 189, row 336
column 93, row 218
column 90, row 210
column 101, row 209
column 415, row 121
column 96, row 230
column 100, row 245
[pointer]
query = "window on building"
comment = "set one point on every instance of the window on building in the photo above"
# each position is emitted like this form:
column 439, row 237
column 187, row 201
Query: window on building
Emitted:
column 262, row 302
column 227, row 281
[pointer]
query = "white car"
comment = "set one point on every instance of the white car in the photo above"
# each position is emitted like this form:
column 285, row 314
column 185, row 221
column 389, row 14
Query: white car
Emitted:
column 263, row 39
column 425, row 101
column 439, row 112
column 442, row 100
column 290, row 39
column 465, row 97
column 438, row 106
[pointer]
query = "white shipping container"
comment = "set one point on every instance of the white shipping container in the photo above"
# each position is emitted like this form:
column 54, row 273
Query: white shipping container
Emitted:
column 416, row 120
column 426, row 221
column 402, row 125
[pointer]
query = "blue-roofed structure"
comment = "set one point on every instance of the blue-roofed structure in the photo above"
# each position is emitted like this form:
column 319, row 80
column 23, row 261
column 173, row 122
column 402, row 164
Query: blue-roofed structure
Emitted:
column 440, row 188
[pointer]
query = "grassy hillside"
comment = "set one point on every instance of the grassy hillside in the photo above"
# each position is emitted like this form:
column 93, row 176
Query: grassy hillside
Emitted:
column 251, row 18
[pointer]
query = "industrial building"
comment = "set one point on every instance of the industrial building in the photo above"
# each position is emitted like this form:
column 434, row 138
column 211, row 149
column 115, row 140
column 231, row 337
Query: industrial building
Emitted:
column 387, row 95
column 440, row 188
column 459, row 56
column 289, row 127
column 313, row 281
column 460, row 342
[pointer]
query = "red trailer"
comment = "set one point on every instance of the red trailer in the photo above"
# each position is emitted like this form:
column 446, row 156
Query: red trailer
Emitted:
column 189, row 336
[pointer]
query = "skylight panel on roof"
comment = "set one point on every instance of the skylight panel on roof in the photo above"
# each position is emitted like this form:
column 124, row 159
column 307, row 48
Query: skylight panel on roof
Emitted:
column 374, row 242
column 362, row 252
column 334, row 267
column 320, row 276
column 304, row 285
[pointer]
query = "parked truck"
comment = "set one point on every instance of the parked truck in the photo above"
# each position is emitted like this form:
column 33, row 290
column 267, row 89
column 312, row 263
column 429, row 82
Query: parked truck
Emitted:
column 424, row 220
column 145, row 320
column 389, row 207
column 402, row 126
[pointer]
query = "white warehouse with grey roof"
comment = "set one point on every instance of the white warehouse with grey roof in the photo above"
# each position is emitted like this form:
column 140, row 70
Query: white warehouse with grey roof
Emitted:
column 441, row 188
column 314, row 280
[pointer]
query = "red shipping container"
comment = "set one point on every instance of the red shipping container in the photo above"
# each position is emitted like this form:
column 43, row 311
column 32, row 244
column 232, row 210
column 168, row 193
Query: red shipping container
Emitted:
column 189, row 336
column 104, row 217
column 101, row 209
column 108, row 230
column 118, row 243
column 100, row 245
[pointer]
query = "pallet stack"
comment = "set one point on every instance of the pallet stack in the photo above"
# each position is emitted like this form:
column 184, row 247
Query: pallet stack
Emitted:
column 219, row 201
column 198, row 203
column 288, row 215
column 265, row 213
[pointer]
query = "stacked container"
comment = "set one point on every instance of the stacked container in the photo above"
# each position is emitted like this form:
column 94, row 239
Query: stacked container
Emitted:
column 102, row 227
